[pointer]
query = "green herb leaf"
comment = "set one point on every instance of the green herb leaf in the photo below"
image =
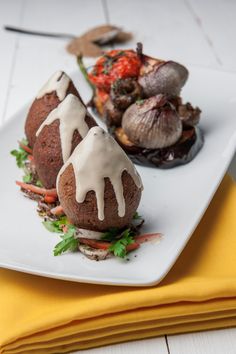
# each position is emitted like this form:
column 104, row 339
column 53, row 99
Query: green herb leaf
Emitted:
column 20, row 154
column 119, row 247
column 24, row 141
column 68, row 243
column 56, row 226
column 39, row 183
column 21, row 157
column 136, row 216
column 84, row 71
column 111, row 234
column 140, row 102
column 28, row 178
column 110, row 60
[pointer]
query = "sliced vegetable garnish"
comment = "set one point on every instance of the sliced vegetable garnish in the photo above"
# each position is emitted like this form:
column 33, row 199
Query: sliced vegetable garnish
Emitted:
column 58, row 210
column 21, row 154
column 119, row 247
column 111, row 234
column 137, row 216
column 50, row 199
column 56, row 225
column 39, row 183
column 21, row 157
column 67, row 233
column 24, row 146
column 31, row 158
column 147, row 237
column 68, row 243
column 37, row 190
column 28, row 178
column 95, row 243
column 25, row 160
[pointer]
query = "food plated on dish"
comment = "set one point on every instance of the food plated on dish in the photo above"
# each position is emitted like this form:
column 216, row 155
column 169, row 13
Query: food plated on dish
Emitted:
column 138, row 97
column 173, row 200
column 86, row 187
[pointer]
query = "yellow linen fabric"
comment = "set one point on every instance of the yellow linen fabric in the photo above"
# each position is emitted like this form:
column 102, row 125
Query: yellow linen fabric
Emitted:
column 41, row 315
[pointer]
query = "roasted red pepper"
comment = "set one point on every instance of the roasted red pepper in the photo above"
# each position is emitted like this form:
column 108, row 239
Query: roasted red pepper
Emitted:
column 116, row 64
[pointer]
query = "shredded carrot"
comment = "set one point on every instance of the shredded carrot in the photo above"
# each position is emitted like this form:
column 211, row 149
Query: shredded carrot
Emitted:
column 64, row 228
column 50, row 199
column 37, row 190
column 58, row 210
column 25, row 148
column 133, row 246
column 147, row 237
column 30, row 158
column 105, row 245
column 95, row 243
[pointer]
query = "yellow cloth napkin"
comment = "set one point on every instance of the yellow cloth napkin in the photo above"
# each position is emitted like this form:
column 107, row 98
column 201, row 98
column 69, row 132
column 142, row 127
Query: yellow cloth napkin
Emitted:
column 40, row 315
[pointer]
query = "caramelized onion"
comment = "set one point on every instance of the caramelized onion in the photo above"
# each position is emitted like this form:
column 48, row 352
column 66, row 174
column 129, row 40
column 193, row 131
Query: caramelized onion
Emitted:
column 152, row 123
column 158, row 76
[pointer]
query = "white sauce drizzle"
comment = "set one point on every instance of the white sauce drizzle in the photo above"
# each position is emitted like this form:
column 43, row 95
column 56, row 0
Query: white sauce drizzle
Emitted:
column 71, row 113
column 58, row 82
column 99, row 156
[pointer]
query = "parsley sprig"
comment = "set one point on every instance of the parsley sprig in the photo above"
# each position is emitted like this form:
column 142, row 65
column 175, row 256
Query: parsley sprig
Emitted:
column 20, row 154
column 56, row 225
column 119, row 247
column 140, row 102
column 22, row 162
column 68, row 241
column 137, row 216
column 110, row 60
column 28, row 178
column 119, row 239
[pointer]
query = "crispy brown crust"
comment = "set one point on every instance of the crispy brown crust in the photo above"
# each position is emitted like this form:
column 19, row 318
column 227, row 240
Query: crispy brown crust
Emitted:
column 47, row 152
column 85, row 215
column 39, row 111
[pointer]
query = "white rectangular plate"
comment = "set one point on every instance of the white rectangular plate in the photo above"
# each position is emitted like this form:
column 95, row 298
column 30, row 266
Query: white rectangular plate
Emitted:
column 173, row 200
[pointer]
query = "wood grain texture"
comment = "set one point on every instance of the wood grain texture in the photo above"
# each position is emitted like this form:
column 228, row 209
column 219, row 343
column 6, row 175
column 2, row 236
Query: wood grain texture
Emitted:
column 216, row 19
column 166, row 28
column 209, row 342
column 146, row 346
column 10, row 13
column 38, row 57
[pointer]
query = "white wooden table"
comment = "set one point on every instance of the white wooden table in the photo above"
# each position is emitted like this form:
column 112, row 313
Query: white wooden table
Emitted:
column 193, row 32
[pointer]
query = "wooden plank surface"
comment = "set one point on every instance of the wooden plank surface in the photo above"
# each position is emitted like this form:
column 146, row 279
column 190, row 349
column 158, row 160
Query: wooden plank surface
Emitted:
column 216, row 19
column 148, row 346
column 11, row 12
column 222, row 341
column 166, row 28
column 194, row 32
column 38, row 57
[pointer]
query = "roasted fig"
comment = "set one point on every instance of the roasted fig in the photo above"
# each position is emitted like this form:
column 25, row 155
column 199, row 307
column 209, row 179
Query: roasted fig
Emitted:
column 99, row 187
column 152, row 123
column 51, row 94
column 58, row 135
